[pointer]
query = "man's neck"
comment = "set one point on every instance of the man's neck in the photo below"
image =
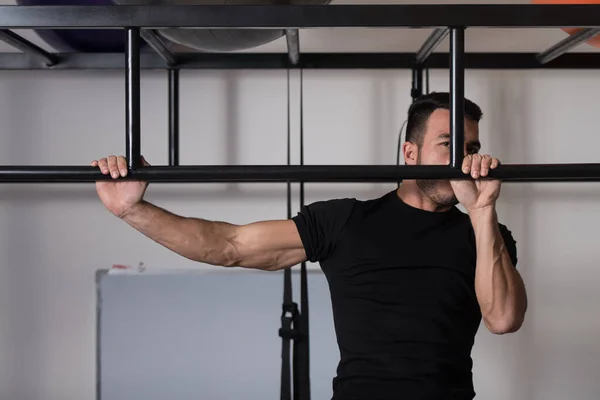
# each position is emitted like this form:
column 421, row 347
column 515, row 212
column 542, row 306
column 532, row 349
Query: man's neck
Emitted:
column 412, row 195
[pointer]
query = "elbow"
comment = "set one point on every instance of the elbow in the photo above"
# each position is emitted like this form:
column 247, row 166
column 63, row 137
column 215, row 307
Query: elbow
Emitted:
column 219, row 256
column 503, row 325
column 228, row 257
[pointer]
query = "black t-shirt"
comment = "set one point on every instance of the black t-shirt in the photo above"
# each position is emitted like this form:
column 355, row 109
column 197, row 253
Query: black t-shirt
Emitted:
column 403, row 296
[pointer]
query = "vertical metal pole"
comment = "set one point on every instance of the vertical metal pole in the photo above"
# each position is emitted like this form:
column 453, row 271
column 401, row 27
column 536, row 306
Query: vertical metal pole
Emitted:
column 132, row 97
column 173, row 117
column 457, row 96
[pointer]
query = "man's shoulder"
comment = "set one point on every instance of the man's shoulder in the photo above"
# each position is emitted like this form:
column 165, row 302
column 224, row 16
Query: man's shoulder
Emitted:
column 322, row 223
column 335, row 202
column 331, row 207
column 349, row 204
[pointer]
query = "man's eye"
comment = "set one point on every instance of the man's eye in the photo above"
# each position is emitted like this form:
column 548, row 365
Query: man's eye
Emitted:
column 446, row 144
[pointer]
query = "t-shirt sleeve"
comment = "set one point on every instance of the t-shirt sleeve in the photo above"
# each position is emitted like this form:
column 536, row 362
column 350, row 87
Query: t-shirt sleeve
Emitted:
column 320, row 224
column 510, row 242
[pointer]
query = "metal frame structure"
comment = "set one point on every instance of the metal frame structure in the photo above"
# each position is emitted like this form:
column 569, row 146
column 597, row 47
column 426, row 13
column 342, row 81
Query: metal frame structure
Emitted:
column 141, row 22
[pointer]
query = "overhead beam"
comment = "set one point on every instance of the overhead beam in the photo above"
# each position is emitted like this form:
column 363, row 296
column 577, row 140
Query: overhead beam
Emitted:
column 301, row 16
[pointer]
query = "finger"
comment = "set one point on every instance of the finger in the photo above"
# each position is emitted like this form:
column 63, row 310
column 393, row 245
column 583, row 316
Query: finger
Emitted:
column 113, row 167
column 466, row 167
column 486, row 161
column 495, row 163
column 103, row 165
column 94, row 163
column 476, row 166
column 122, row 165
column 144, row 162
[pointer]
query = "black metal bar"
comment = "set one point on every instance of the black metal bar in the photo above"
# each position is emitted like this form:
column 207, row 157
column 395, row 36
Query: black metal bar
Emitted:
column 293, row 45
column 433, row 41
column 305, row 173
column 567, row 44
column 301, row 16
column 154, row 41
column 132, row 97
column 30, row 49
column 173, row 117
column 457, row 96
column 237, row 61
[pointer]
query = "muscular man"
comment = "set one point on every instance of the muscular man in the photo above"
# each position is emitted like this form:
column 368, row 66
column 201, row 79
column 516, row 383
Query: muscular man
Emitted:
column 411, row 276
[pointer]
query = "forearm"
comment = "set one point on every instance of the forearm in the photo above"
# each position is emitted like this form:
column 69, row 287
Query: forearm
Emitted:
column 196, row 239
column 499, row 288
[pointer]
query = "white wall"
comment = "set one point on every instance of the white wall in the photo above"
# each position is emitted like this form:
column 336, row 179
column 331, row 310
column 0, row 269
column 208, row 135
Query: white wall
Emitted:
column 54, row 237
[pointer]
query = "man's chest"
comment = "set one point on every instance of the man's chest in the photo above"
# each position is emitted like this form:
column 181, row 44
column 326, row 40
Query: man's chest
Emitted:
column 372, row 244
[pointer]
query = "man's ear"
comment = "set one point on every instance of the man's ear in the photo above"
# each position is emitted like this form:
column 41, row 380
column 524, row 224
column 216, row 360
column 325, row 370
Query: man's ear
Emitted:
column 410, row 152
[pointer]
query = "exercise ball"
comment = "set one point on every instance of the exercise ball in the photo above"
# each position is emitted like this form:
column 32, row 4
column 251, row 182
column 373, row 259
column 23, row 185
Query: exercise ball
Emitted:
column 80, row 40
column 221, row 40
column 594, row 41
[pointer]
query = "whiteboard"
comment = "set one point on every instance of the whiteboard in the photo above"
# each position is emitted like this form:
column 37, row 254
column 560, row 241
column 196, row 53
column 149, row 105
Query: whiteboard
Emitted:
column 204, row 335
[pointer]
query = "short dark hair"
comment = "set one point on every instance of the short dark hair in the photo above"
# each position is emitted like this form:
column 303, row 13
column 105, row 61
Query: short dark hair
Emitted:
column 422, row 108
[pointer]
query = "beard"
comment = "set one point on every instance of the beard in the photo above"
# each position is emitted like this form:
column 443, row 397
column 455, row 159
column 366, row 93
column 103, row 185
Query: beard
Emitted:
column 438, row 191
column 433, row 190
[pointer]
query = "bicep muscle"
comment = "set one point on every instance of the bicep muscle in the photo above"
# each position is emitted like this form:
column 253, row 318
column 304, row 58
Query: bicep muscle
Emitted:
column 268, row 245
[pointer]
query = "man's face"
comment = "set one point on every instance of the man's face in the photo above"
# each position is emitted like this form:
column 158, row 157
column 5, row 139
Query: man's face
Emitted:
column 435, row 150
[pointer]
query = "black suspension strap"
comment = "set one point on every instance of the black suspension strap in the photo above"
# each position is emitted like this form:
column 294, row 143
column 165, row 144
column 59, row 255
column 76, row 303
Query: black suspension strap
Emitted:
column 294, row 321
column 301, row 345
column 417, row 82
column 289, row 312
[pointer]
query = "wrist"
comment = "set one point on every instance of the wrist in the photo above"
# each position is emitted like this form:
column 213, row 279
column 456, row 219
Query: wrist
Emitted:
column 482, row 215
column 132, row 210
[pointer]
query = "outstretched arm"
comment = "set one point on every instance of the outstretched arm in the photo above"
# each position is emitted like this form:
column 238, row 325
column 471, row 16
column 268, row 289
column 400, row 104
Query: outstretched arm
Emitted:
column 267, row 245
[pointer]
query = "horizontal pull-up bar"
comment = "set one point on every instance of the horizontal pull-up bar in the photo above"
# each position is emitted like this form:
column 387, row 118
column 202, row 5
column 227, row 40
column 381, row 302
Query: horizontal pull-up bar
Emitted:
column 300, row 16
column 300, row 173
column 253, row 61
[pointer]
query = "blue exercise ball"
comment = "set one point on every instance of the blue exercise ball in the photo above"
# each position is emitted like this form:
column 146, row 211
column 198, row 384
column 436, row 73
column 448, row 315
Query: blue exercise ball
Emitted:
column 80, row 40
column 221, row 40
